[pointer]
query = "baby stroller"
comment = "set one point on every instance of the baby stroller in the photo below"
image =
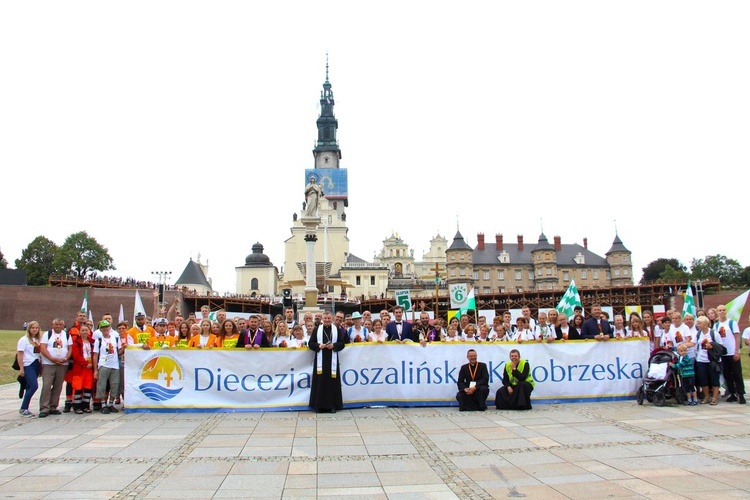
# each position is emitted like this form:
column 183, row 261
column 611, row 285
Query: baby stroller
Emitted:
column 662, row 381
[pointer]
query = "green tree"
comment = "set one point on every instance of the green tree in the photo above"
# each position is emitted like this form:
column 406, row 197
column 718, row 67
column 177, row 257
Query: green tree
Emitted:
column 746, row 276
column 672, row 275
column 653, row 271
column 720, row 267
column 3, row 262
column 81, row 255
column 38, row 260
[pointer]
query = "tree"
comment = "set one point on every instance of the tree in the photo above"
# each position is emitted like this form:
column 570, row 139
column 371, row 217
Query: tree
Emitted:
column 3, row 262
column 746, row 276
column 720, row 267
column 38, row 260
column 81, row 254
column 672, row 275
column 654, row 270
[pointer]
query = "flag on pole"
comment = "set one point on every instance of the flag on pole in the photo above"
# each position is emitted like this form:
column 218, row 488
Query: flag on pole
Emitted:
column 471, row 303
column 569, row 300
column 688, row 307
column 735, row 307
column 138, row 306
column 85, row 304
column 121, row 316
column 91, row 316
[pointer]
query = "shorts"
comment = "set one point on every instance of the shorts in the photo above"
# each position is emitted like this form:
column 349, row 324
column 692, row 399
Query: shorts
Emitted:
column 688, row 383
column 707, row 376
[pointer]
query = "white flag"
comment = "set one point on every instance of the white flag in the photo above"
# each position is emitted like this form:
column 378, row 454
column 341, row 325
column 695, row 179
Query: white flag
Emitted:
column 121, row 316
column 735, row 307
column 138, row 306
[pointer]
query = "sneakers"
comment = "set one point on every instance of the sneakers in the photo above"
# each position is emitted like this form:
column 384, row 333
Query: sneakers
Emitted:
column 687, row 403
column 105, row 410
column 694, row 403
column 25, row 413
column 112, row 409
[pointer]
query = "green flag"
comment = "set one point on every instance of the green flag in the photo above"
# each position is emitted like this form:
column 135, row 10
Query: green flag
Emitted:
column 471, row 303
column 569, row 300
column 734, row 307
column 688, row 307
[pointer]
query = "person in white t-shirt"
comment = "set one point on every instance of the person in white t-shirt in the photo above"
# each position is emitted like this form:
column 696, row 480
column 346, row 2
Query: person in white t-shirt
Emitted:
column 620, row 331
column 27, row 355
column 729, row 332
column 56, row 348
column 107, row 351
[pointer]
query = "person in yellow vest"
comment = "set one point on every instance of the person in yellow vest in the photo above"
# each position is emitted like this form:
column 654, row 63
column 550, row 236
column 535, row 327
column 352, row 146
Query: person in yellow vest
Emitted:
column 515, row 394
column 161, row 340
column 141, row 332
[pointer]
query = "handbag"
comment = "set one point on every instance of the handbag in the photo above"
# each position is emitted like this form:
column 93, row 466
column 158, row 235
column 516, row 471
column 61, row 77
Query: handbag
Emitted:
column 715, row 353
column 15, row 364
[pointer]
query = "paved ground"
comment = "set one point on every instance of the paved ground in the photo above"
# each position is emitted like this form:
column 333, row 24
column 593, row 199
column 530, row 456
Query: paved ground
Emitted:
column 555, row 451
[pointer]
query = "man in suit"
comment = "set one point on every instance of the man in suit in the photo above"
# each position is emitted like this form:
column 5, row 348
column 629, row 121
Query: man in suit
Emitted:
column 596, row 327
column 473, row 384
column 399, row 330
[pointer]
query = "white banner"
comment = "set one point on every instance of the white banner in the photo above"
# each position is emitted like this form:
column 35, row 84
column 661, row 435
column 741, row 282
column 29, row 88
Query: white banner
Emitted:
column 374, row 374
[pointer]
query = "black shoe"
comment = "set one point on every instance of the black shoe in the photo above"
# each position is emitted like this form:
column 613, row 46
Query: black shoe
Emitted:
column 333, row 410
column 43, row 414
column 105, row 410
column 731, row 399
column 98, row 406
column 742, row 399
column 68, row 407
column 112, row 409
column 55, row 412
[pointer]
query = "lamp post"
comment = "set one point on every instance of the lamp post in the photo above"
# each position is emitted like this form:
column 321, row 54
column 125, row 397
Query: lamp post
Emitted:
column 163, row 276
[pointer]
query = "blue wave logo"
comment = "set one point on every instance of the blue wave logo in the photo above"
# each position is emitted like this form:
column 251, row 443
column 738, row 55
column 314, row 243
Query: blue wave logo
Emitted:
column 155, row 392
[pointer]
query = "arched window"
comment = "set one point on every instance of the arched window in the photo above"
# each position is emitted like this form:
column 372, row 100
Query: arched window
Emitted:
column 254, row 284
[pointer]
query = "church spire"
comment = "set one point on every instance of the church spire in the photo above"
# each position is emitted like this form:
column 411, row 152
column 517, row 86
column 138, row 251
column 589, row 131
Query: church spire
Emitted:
column 327, row 127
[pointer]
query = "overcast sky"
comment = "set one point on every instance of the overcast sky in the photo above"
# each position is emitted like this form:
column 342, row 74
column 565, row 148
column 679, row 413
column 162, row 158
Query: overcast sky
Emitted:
column 169, row 129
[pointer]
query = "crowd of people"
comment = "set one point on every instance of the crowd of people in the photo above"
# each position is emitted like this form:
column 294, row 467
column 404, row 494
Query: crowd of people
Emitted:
column 86, row 359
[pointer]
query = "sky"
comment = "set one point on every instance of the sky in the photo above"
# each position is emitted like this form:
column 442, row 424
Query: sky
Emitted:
column 176, row 128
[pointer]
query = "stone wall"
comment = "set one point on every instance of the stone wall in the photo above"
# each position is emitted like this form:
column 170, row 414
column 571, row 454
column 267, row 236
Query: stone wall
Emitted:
column 19, row 304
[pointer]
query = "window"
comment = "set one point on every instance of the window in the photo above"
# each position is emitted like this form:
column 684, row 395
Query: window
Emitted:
column 615, row 260
column 453, row 272
column 487, row 276
column 538, row 256
column 549, row 286
column 331, row 289
column 596, row 275
column 531, row 275
column 359, row 280
column 583, row 274
column 254, row 284
column 617, row 272
column 487, row 290
column 539, row 272
column 624, row 260
column 462, row 272
column 518, row 276
column 608, row 274
column 475, row 275
column 519, row 289
column 549, row 271
column 461, row 256
column 502, row 289
column 501, row 275
column 372, row 280
column 625, row 272
column 453, row 256
column 566, row 276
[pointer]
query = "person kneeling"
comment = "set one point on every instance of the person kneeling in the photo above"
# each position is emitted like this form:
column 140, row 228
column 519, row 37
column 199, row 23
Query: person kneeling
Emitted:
column 473, row 384
column 515, row 394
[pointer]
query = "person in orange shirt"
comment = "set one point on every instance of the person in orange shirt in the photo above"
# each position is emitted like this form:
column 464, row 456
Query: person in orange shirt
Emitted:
column 161, row 340
column 229, row 335
column 205, row 340
column 141, row 332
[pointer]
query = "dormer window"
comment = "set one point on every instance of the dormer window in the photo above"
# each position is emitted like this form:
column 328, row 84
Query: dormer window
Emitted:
column 579, row 259
column 504, row 257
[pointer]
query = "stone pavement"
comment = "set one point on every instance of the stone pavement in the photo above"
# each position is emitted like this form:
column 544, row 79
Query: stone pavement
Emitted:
column 555, row 451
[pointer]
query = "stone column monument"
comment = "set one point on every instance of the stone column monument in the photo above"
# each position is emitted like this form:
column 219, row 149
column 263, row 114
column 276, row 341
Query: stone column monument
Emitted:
column 311, row 220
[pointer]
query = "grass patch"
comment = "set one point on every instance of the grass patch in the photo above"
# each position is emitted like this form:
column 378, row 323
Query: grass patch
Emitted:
column 8, row 344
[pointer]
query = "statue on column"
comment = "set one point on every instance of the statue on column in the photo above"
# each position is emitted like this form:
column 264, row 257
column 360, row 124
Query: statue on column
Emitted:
column 313, row 192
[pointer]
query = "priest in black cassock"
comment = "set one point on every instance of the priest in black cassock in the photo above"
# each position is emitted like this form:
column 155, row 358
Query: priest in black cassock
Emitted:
column 473, row 384
column 326, row 341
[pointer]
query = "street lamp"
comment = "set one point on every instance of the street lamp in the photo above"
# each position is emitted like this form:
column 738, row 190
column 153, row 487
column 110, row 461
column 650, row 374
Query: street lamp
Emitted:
column 163, row 276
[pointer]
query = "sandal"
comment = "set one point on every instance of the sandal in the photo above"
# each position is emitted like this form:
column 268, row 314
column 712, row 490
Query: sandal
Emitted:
column 79, row 411
column 713, row 402
column 87, row 410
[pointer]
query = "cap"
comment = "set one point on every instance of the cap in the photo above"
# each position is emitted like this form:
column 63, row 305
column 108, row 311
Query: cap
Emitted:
column 356, row 315
column 103, row 324
column 140, row 314
column 160, row 321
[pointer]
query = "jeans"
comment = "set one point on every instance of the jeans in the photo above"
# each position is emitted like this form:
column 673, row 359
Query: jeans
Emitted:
column 31, row 374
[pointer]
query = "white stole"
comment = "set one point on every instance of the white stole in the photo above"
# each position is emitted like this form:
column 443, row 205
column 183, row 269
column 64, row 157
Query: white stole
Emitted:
column 334, row 354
